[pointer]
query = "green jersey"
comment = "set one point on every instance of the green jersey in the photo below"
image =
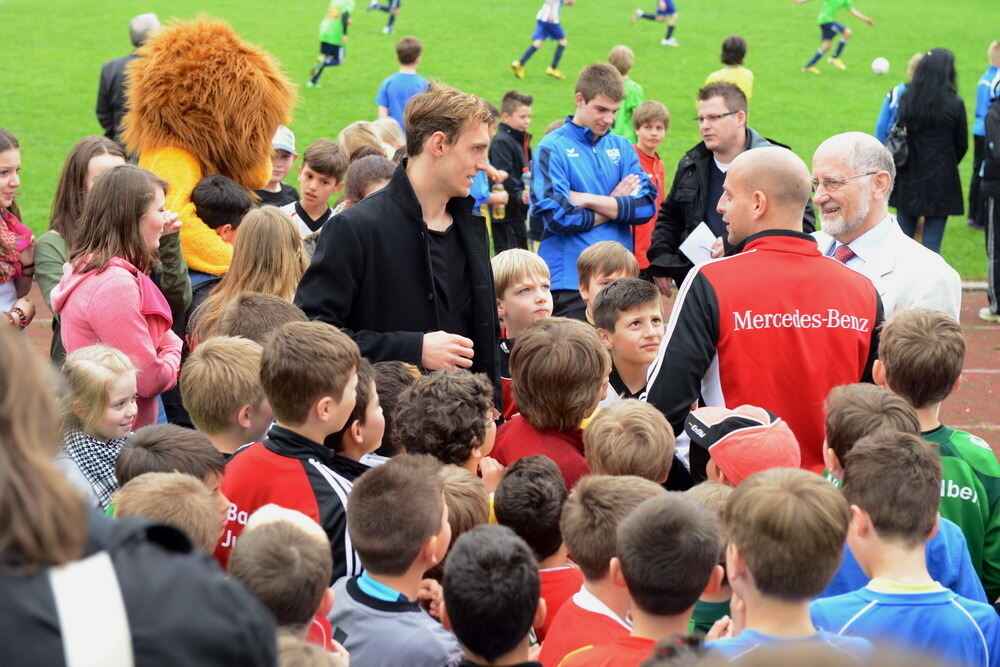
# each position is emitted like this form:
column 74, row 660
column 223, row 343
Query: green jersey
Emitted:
column 705, row 615
column 970, row 496
column 830, row 8
column 333, row 28
column 623, row 121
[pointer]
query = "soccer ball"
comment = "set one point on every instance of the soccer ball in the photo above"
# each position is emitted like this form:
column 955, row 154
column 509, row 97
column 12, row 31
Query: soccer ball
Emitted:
column 880, row 65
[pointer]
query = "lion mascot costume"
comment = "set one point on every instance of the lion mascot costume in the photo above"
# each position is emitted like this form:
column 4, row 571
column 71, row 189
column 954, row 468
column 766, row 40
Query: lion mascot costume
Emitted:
column 202, row 101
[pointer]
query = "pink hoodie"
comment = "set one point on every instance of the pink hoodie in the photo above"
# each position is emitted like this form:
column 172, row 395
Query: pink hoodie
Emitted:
column 121, row 307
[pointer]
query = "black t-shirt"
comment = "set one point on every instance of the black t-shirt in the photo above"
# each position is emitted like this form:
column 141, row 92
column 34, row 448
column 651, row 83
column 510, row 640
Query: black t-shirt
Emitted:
column 452, row 288
column 286, row 195
column 313, row 225
column 713, row 218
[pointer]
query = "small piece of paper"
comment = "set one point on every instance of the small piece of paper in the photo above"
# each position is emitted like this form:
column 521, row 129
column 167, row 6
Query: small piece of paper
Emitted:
column 698, row 245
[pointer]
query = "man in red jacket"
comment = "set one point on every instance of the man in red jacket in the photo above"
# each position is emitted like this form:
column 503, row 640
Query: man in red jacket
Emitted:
column 776, row 325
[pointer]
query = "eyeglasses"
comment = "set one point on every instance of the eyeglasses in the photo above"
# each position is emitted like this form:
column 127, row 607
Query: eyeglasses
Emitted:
column 713, row 117
column 834, row 184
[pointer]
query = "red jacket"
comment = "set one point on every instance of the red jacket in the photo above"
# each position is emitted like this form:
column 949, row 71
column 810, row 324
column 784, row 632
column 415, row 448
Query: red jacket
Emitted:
column 642, row 235
column 518, row 438
column 777, row 326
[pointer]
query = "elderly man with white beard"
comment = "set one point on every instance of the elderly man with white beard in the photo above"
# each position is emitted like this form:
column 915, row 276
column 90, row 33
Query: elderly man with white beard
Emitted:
column 852, row 176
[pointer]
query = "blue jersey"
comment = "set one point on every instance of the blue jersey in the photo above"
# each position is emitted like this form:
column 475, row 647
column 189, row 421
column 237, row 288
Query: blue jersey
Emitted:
column 988, row 82
column 948, row 561
column 397, row 90
column 940, row 622
column 569, row 159
column 751, row 640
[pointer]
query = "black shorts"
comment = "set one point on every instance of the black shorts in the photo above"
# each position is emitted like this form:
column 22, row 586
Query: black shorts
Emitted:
column 334, row 52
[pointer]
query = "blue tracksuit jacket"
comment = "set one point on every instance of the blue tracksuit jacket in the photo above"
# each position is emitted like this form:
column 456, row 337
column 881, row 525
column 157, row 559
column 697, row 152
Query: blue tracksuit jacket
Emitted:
column 570, row 159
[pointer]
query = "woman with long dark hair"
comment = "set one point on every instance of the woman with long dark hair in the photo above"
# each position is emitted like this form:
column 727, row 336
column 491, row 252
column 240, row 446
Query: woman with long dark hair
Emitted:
column 928, row 184
column 75, row 586
column 89, row 158
column 106, row 295
column 17, row 243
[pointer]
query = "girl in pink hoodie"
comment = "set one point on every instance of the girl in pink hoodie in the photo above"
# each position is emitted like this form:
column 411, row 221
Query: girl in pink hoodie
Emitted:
column 105, row 295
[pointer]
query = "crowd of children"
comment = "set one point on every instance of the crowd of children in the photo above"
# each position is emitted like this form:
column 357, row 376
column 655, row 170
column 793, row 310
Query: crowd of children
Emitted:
column 384, row 515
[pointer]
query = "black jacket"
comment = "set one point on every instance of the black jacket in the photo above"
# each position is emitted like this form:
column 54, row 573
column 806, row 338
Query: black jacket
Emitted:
column 991, row 165
column 111, row 96
column 928, row 184
column 371, row 276
column 181, row 608
column 684, row 209
column 510, row 150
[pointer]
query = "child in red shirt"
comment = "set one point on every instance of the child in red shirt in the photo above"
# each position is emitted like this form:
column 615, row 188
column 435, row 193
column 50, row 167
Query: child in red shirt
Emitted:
column 651, row 120
column 669, row 528
column 560, row 372
column 529, row 501
column 596, row 613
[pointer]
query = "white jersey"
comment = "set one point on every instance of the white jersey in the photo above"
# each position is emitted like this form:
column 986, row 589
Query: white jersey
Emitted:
column 549, row 11
column 292, row 213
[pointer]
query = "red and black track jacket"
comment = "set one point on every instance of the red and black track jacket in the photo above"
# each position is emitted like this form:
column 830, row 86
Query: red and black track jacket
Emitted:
column 777, row 326
column 292, row 471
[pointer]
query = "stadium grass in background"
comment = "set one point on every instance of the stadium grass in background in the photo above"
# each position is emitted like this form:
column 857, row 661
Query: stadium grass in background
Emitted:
column 55, row 50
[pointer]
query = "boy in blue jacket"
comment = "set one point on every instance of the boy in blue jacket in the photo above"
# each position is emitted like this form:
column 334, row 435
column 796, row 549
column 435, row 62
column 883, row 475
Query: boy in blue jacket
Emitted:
column 890, row 522
column 588, row 185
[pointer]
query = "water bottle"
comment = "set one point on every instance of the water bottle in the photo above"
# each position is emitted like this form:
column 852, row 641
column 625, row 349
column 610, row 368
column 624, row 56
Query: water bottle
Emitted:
column 499, row 210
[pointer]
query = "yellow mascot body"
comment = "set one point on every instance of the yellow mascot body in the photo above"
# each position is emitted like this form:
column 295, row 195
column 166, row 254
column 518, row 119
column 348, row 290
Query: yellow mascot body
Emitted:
column 202, row 101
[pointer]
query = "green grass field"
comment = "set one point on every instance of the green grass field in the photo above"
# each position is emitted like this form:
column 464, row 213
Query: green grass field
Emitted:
column 56, row 47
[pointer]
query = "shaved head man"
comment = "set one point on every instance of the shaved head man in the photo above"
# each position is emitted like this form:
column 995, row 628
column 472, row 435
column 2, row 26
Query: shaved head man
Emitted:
column 777, row 325
column 852, row 178
column 764, row 189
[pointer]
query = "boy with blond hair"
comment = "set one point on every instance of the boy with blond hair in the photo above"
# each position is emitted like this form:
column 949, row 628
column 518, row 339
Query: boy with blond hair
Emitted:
column 600, row 265
column 630, row 437
column 524, row 295
column 529, row 501
column 220, row 388
column 786, row 530
column 283, row 558
column 622, row 59
column 921, row 354
column 559, row 370
column 376, row 615
column 176, row 499
column 321, row 176
column 597, row 613
column 172, row 448
column 710, row 607
column 309, row 374
column 583, row 200
column 668, row 555
column 468, row 507
column 890, row 524
column 858, row 411
column 255, row 316
column 650, row 121
column 629, row 319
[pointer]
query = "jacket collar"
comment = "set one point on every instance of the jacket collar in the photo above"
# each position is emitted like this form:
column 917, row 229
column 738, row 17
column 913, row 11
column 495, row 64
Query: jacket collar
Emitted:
column 753, row 140
column 282, row 441
column 781, row 240
column 519, row 135
column 583, row 134
column 401, row 191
